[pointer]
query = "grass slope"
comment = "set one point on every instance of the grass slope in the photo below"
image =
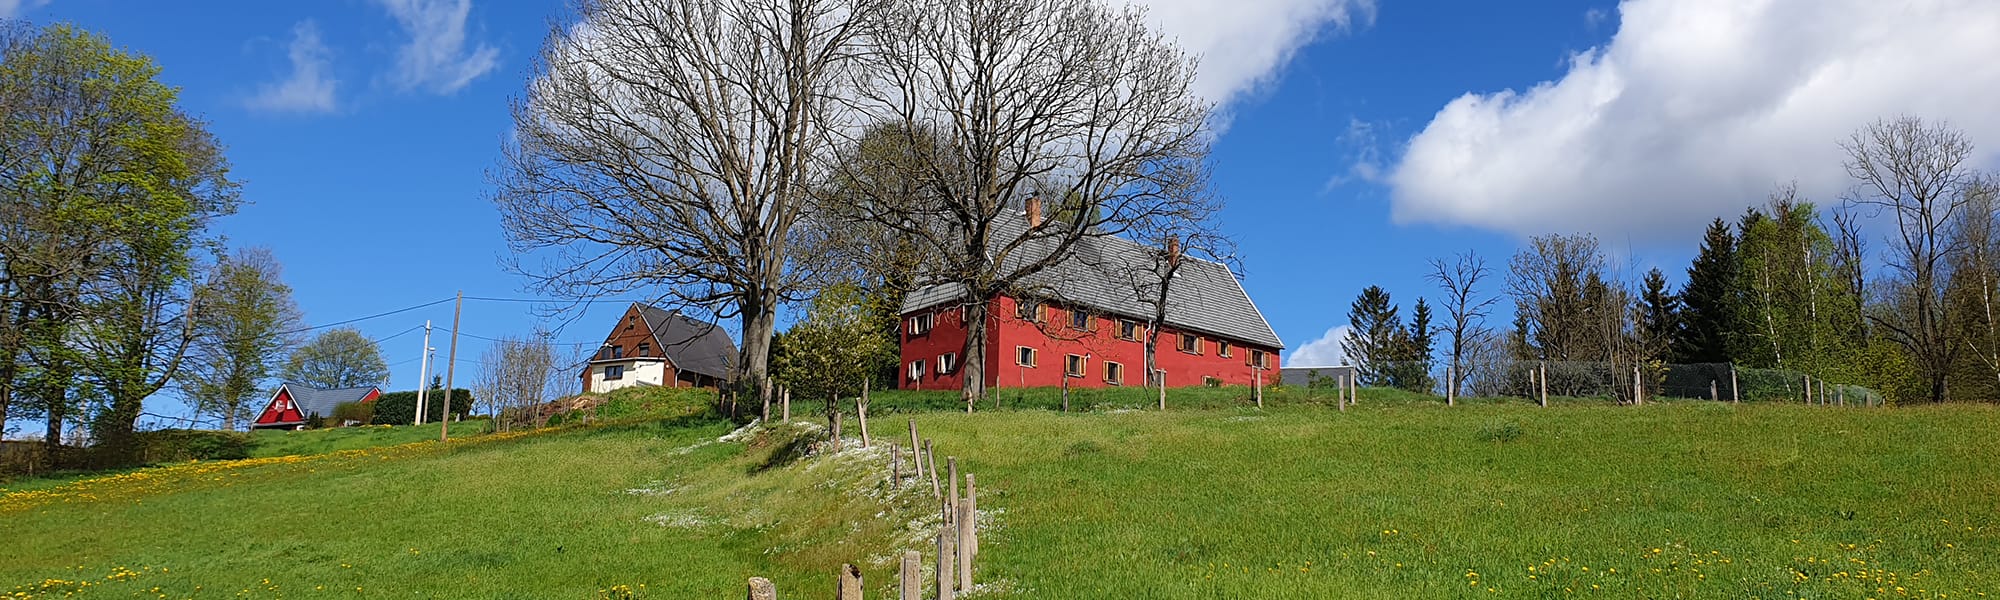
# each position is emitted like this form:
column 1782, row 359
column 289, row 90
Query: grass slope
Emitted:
column 1398, row 498
column 269, row 442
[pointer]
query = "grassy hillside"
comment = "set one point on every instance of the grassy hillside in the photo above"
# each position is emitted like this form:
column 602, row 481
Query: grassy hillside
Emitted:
column 1394, row 499
column 268, row 442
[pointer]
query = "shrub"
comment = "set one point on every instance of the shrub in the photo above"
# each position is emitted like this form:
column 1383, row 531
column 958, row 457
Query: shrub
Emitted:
column 172, row 445
column 355, row 412
column 400, row 408
column 1500, row 432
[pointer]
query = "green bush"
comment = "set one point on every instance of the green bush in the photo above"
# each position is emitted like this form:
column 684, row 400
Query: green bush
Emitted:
column 400, row 408
column 173, row 445
column 357, row 412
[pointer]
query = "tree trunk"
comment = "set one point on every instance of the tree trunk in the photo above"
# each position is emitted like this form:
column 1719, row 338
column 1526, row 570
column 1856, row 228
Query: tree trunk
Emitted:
column 976, row 330
column 753, row 373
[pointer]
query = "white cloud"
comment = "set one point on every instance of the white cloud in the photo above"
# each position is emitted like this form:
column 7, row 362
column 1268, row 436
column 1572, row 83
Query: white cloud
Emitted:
column 438, row 58
column 1244, row 44
column 310, row 88
column 1322, row 352
column 1697, row 108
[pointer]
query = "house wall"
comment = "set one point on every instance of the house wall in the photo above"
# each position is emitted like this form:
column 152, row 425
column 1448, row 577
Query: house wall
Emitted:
column 650, row 371
column 281, row 409
column 1054, row 340
column 626, row 335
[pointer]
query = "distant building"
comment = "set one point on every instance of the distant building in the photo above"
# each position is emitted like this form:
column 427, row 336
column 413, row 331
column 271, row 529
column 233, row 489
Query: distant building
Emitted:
column 296, row 403
column 650, row 346
column 1087, row 322
column 1334, row 377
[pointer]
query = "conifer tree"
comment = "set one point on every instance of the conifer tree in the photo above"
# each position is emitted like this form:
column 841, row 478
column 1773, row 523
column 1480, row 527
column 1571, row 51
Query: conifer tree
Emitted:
column 1710, row 301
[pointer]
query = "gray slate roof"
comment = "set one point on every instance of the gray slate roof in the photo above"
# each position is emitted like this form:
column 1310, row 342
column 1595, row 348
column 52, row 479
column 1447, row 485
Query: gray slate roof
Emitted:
column 315, row 401
column 694, row 345
column 1103, row 273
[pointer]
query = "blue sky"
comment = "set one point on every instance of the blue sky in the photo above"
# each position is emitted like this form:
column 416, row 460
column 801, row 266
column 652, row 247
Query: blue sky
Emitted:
column 1361, row 139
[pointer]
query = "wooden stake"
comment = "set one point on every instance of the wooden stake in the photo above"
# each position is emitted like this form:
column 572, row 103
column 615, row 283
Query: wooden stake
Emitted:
column 1638, row 391
column 1257, row 385
column 861, row 410
column 951, row 504
column 972, row 513
column 930, row 456
column 1712, row 394
column 1735, row 393
column 1450, row 387
column 945, row 559
column 787, row 404
column 912, row 576
column 895, row 467
column 850, row 583
column 916, row 452
column 964, row 549
column 1163, row 389
column 1545, row 384
column 761, row 589
column 836, row 430
column 1065, row 390
column 1809, row 399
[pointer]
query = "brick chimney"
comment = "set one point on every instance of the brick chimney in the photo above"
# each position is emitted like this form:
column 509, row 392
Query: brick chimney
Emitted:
column 1034, row 212
column 1173, row 251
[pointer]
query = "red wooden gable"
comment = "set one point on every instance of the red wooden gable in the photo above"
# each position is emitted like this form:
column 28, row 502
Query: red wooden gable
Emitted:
column 283, row 410
column 372, row 395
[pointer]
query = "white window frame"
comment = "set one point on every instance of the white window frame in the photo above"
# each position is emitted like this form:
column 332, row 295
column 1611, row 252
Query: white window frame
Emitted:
column 947, row 363
column 615, row 372
column 1082, row 365
column 1033, row 356
column 921, row 324
column 917, row 370
column 1110, row 366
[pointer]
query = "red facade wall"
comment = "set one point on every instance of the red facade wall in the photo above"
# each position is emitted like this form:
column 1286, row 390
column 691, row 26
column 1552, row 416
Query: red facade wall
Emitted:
column 1053, row 340
column 281, row 410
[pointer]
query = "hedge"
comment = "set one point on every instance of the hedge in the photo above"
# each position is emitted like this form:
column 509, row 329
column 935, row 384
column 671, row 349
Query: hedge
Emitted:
column 400, row 408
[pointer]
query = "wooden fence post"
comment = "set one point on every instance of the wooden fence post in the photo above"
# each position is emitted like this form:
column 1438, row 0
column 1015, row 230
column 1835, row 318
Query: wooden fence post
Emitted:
column 964, row 549
column 836, row 428
column 1712, row 394
column 930, row 456
column 945, row 558
column 765, row 417
column 895, row 467
column 850, row 583
column 1257, row 385
column 1450, row 387
column 951, row 504
column 761, row 589
column 1065, row 390
column 912, row 576
column 1544, row 366
column 1735, row 393
column 916, row 452
column 1162, row 377
column 787, row 403
column 972, row 514
column 1638, row 390
column 861, row 410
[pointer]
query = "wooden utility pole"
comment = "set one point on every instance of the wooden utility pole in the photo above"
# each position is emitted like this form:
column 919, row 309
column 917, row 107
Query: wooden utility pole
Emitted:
column 450, row 368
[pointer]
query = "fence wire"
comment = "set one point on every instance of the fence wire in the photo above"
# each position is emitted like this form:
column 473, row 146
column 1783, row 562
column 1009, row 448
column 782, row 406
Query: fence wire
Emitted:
column 1615, row 381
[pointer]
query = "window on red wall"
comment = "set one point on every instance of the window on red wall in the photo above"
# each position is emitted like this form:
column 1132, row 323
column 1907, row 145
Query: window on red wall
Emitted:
column 1128, row 329
column 1257, row 359
column 1029, row 310
column 1073, row 365
column 1024, row 356
column 1223, row 348
column 920, row 324
column 1114, row 373
column 1189, row 343
column 916, row 370
column 1079, row 320
column 947, row 362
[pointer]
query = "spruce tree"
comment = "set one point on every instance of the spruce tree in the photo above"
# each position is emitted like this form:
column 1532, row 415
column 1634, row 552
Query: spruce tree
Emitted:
column 1711, row 302
column 1659, row 316
column 1372, row 336
column 1413, row 365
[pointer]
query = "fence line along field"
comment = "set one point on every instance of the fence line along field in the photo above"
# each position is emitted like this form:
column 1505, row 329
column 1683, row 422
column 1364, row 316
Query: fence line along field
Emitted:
column 1397, row 497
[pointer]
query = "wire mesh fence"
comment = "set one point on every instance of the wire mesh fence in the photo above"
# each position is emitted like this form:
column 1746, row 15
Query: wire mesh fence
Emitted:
column 1622, row 382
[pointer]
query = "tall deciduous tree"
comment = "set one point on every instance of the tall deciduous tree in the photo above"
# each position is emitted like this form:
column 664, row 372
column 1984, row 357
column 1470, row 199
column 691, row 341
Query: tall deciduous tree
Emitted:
column 839, row 344
column 1917, row 172
column 245, row 314
column 337, row 358
column 1071, row 101
column 1465, row 310
column 672, row 146
column 517, row 373
column 1973, row 296
column 107, row 189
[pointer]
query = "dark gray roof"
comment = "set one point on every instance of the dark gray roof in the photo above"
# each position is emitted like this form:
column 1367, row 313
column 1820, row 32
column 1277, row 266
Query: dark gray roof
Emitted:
column 315, row 401
column 694, row 345
column 1106, row 273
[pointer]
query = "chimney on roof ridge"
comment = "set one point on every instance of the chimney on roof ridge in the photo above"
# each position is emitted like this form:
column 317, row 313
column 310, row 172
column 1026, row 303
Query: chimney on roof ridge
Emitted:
column 1173, row 251
column 1034, row 212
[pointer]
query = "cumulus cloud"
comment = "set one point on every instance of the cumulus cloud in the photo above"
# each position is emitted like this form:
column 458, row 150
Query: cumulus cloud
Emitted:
column 1322, row 352
column 309, row 88
column 1244, row 44
column 438, row 58
column 1697, row 108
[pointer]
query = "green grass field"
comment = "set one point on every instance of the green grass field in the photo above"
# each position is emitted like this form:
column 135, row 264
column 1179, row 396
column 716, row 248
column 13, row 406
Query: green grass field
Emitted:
column 321, row 441
column 1397, row 498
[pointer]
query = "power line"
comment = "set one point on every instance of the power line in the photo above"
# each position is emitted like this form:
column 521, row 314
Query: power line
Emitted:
column 373, row 316
column 398, row 334
column 556, row 301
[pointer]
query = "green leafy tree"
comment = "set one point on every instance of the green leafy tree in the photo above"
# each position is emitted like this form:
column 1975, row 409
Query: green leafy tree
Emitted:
column 109, row 190
column 1711, row 301
column 338, row 358
column 838, row 345
column 245, row 314
column 1374, row 336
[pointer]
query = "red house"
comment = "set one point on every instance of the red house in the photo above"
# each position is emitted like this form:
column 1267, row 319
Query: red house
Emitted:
column 295, row 403
column 1087, row 321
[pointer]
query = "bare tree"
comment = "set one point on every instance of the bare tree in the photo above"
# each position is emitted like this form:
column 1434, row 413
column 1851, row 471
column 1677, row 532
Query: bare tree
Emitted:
column 1974, row 289
column 669, row 146
column 1462, row 305
column 516, row 374
column 1917, row 172
column 1069, row 101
